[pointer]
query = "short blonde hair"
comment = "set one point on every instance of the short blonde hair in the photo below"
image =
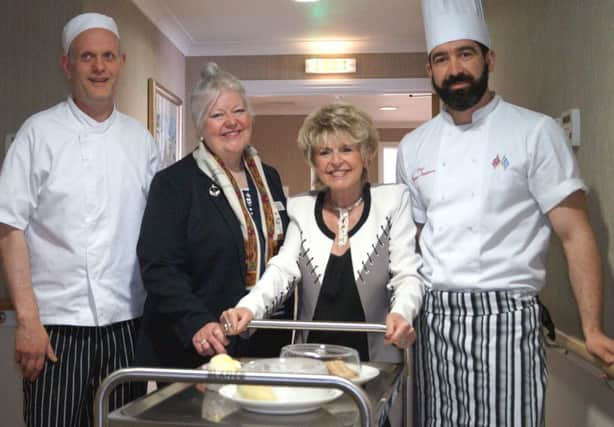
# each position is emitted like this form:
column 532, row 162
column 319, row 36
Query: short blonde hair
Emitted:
column 335, row 119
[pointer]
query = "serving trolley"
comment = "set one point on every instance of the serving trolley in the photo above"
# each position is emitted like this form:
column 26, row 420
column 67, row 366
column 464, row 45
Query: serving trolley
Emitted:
column 185, row 403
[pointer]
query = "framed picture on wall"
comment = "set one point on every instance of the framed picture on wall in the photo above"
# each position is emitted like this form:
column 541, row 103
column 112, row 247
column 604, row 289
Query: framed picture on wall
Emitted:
column 165, row 121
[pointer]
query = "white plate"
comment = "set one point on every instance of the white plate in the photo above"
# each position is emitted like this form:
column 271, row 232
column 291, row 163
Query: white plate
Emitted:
column 290, row 400
column 367, row 373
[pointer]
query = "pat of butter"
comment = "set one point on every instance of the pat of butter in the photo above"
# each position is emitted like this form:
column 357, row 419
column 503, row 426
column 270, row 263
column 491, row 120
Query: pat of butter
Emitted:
column 257, row 392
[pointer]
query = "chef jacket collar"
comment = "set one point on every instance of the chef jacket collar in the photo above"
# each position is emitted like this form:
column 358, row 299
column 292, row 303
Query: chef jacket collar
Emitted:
column 89, row 123
column 477, row 116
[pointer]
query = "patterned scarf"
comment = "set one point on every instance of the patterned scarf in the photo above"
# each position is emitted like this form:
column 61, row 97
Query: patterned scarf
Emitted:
column 215, row 169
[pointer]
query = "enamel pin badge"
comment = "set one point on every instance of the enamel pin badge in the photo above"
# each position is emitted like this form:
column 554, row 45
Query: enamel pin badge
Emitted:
column 214, row 190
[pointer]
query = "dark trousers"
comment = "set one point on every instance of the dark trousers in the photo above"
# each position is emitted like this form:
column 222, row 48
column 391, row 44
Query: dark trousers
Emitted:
column 64, row 392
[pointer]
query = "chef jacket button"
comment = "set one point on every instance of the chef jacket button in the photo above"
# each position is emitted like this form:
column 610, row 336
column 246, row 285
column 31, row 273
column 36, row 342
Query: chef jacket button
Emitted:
column 443, row 164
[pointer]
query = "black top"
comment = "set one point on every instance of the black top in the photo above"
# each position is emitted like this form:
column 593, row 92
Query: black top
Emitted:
column 338, row 300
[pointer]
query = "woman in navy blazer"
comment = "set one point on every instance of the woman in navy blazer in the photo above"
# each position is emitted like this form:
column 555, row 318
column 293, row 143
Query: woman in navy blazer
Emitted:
column 212, row 221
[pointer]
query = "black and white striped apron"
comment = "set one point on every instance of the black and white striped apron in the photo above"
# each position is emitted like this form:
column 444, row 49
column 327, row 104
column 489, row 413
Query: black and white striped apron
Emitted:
column 63, row 394
column 479, row 360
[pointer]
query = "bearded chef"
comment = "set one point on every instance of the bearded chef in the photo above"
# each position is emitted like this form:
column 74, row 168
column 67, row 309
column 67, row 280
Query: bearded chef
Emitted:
column 489, row 182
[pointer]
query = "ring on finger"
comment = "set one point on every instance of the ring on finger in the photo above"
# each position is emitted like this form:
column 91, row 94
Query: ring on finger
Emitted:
column 203, row 341
column 226, row 327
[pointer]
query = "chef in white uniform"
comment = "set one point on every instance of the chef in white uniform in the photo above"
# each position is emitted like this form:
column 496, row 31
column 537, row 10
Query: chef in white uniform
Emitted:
column 489, row 182
column 73, row 188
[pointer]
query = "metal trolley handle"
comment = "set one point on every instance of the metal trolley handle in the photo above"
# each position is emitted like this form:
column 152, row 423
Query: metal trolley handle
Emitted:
column 318, row 326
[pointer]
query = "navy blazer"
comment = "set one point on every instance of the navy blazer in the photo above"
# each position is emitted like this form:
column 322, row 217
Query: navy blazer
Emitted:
column 192, row 259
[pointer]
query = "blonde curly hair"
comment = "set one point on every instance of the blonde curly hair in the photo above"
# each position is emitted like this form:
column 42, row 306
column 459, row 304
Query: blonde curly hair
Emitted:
column 335, row 119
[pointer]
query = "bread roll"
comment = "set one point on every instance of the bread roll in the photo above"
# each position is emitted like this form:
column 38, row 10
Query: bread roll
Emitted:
column 340, row 369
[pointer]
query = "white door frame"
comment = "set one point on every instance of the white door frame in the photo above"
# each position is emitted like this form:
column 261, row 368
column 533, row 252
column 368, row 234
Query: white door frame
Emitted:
column 380, row 157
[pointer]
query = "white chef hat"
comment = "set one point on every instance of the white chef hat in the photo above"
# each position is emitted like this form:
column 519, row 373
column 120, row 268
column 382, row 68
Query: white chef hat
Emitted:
column 449, row 20
column 83, row 22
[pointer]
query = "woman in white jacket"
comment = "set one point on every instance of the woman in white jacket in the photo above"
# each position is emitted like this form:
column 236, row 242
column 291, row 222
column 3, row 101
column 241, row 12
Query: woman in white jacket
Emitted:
column 349, row 247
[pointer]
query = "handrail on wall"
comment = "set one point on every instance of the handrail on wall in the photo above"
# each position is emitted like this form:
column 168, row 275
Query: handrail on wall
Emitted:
column 568, row 344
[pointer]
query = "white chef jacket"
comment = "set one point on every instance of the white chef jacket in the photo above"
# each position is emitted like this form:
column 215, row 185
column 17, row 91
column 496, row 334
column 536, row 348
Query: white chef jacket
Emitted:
column 78, row 189
column 482, row 192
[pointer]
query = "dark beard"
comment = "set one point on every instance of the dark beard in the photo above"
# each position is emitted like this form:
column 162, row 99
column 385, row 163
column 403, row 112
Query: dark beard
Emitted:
column 462, row 99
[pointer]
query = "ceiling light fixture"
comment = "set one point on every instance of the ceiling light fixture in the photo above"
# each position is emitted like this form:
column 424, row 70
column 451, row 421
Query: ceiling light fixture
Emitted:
column 388, row 108
column 306, row 1
column 330, row 65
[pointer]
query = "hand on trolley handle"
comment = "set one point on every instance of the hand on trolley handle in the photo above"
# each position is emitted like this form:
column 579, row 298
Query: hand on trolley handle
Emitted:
column 398, row 330
column 236, row 320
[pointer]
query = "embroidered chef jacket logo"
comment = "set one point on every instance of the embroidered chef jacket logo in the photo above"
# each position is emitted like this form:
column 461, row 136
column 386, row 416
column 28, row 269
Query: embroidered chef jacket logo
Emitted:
column 500, row 161
column 420, row 173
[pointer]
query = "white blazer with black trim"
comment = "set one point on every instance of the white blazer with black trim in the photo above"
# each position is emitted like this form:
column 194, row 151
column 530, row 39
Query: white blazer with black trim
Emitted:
column 383, row 257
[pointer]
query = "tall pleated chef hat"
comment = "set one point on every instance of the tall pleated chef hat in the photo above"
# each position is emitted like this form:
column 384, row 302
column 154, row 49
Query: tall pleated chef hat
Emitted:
column 450, row 20
column 84, row 22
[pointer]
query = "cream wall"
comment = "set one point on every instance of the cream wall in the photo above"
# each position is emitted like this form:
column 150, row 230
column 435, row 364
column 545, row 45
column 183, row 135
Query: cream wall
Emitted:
column 553, row 55
column 30, row 48
column 275, row 139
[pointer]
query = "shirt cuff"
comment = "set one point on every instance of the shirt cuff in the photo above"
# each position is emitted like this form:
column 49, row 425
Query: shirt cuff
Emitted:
column 557, row 194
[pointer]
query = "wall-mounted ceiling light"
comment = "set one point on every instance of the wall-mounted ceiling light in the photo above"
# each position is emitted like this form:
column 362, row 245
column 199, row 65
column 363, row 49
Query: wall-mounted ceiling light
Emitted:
column 330, row 65
column 388, row 108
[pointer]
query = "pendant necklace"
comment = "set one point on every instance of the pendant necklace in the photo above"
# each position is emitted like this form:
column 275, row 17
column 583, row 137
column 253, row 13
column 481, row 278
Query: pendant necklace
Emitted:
column 343, row 223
